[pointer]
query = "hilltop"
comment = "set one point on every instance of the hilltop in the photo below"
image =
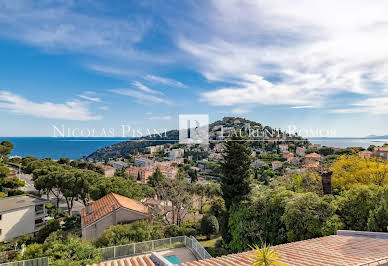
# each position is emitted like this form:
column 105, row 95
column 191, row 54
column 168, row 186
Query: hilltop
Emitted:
column 227, row 124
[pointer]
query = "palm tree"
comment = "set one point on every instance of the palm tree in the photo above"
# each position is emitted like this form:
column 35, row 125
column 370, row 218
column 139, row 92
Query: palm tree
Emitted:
column 265, row 256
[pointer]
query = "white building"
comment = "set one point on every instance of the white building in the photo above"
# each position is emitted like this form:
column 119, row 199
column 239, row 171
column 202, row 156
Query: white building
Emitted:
column 21, row 215
column 143, row 162
column 118, row 165
column 283, row 147
column 175, row 154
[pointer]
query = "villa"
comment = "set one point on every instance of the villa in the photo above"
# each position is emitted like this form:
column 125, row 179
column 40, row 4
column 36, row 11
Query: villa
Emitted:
column 276, row 165
column 312, row 157
column 111, row 209
column 283, row 147
column 381, row 152
column 365, row 154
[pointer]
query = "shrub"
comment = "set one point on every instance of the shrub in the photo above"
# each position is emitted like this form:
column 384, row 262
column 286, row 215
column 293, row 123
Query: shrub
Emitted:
column 171, row 230
column 209, row 225
column 51, row 226
column 124, row 234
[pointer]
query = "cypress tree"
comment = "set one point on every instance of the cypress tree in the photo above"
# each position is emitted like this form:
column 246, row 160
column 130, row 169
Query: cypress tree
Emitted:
column 235, row 179
column 236, row 171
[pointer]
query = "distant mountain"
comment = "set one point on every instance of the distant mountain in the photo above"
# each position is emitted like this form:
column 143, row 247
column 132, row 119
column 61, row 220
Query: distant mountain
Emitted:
column 376, row 137
column 124, row 148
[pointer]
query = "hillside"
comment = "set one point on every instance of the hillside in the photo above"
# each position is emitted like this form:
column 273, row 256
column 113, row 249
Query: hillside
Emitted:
column 138, row 144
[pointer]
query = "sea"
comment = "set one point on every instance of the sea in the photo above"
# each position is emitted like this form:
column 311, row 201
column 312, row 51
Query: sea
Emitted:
column 76, row 148
column 55, row 147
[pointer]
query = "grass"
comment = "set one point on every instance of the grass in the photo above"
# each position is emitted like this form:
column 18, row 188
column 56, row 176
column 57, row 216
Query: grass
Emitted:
column 208, row 243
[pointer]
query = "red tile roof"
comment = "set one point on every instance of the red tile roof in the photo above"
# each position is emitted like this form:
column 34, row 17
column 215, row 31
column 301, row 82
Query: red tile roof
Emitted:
column 104, row 206
column 384, row 149
column 130, row 261
column 330, row 250
column 313, row 155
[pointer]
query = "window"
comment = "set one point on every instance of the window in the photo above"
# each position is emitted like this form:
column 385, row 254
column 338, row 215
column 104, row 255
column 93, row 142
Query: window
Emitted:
column 1, row 217
column 39, row 221
column 39, row 209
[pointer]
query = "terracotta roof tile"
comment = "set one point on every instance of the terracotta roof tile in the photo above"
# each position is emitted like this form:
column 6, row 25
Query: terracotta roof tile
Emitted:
column 130, row 261
column 330, row 250
column 313, row 155
column 106, row 204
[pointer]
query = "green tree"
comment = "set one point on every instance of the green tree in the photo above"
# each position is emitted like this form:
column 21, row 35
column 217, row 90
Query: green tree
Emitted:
column 217, row 208
column 235, row 178
column 118, row 185
column 209, row 226
column 156, row 178
column 378, row 218
column 306, row 215
column 259, row 221
column 124, row 234
column 236, row 171
column 355, row 204
column 5, row 149
column 64, row 250
column 51, row 226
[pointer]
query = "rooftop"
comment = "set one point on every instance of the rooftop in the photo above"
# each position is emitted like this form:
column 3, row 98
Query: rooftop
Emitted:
column 104, row 206
column 381, row 149
column 351, row 249
column 313, row 155
column 184, row 254
column 20, row 201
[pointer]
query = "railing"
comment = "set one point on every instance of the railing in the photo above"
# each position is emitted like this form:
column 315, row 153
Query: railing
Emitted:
column 196, row 247
column 141, row 247
column 134, row 249
column 33, row 262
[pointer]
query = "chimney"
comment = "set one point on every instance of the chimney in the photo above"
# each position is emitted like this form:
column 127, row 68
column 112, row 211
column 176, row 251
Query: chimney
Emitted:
column 326, row 181
column 89, row 208
column 114, row 215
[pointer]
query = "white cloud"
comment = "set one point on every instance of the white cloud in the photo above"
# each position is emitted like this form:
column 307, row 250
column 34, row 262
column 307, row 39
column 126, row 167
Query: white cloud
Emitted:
column 377, row 106
column 144, row 88
column 141, row 96
column 104, row 108
column 303, row 107
column 314, row 49
column 110, row 70
column 71, row 110
column 240, row 110
column 165, row 81
column 89, row 98
column 167, row 117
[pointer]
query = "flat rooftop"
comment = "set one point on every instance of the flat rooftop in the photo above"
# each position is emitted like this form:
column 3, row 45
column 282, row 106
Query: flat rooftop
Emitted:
column 20, row 201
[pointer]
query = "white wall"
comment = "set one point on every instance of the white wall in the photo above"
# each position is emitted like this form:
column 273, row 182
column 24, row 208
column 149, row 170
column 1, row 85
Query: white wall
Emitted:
column 17, row 223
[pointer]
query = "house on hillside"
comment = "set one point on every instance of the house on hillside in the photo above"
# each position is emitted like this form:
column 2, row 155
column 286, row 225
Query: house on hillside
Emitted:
column 300, row 151
column 118, row 165
column 21, row 215
column 365, row 154
column 381, row 152
column 111, row 209
column 109, row 171
column 312, row 157
column 283, row 147
column 276, row 165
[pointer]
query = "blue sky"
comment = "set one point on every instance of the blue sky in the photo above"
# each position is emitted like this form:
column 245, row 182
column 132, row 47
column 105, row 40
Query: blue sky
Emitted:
column 313, row 65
